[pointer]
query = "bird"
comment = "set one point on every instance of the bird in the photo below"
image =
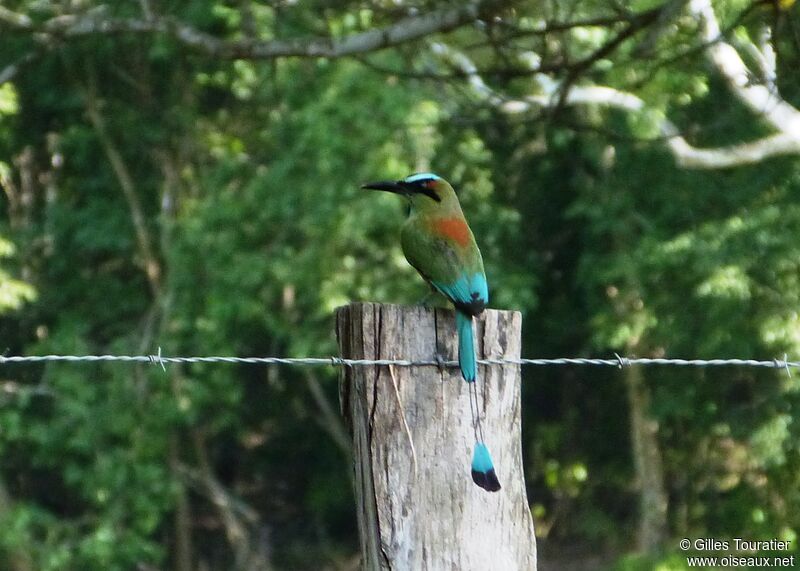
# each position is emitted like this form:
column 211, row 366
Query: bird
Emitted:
column 437, row 241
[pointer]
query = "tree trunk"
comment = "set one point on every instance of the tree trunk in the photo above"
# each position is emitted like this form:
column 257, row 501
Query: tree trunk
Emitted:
column 18, row 557
column 647, row 462
column 418, row 508
column 182, row 519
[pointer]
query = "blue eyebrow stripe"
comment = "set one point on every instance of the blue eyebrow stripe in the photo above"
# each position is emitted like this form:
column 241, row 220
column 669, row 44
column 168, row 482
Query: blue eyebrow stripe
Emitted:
column 421, row 176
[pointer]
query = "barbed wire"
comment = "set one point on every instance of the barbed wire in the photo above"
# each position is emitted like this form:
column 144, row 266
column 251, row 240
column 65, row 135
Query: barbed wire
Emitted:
column 617, row 361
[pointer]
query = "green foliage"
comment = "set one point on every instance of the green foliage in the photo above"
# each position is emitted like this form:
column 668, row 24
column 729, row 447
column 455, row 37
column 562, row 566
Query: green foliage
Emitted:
column 246, row 175
column 13, row 292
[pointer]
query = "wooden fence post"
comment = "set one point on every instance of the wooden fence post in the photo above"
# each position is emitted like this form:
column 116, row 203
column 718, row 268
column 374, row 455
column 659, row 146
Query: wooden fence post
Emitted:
column 418, row 509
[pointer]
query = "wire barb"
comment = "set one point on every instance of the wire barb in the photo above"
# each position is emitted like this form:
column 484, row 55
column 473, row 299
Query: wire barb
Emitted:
column 157, row 360
column 784, row 364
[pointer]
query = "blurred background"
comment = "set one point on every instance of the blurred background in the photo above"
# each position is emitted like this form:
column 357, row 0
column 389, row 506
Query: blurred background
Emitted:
column 185, row 174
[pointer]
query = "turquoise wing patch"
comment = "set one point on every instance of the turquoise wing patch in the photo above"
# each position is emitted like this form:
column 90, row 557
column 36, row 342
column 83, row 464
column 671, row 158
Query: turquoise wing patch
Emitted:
column 469, row 293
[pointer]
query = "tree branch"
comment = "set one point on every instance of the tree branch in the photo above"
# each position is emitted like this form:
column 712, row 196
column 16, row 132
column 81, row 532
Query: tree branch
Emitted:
column 14, row 19
column 759, row 98
column 330, row 420
column 748, row 153
column 240, row 520
column 635, row 24
column 686, row 155
column 10, row 71
column 406, row 30
column 144, row 241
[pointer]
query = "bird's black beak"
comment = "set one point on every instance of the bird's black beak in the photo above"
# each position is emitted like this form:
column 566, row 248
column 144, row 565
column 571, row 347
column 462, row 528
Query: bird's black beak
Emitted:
column 388, row 186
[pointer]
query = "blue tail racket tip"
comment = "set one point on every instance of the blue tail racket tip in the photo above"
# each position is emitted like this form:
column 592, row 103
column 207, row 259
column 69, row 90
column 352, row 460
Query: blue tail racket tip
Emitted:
column 483, row 473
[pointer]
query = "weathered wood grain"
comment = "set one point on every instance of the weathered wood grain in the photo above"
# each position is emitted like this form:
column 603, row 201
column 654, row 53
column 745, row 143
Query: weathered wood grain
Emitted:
column 428, row 515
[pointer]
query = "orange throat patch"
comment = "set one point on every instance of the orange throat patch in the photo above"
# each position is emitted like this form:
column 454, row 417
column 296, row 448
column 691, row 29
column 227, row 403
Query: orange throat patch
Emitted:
column 455, row 229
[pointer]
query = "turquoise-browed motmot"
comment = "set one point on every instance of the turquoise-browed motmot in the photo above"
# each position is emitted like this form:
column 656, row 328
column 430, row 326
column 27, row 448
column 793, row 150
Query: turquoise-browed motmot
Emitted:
column 439, row 244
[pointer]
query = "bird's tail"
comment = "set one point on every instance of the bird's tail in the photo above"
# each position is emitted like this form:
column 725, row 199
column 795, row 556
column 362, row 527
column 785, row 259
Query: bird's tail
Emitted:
column 483, row 473
column 467, row 361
